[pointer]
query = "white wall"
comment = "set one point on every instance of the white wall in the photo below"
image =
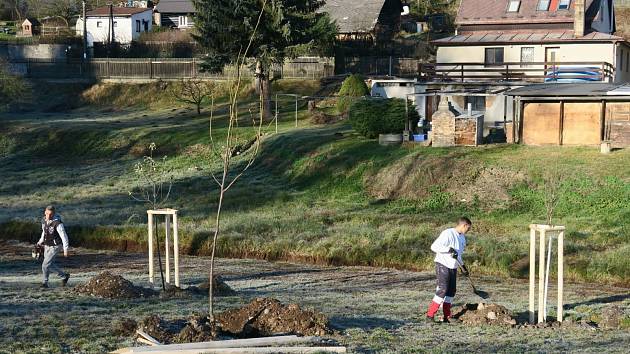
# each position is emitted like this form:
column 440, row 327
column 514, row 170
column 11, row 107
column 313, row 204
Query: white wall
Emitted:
column 569, row 52
column 125, row 29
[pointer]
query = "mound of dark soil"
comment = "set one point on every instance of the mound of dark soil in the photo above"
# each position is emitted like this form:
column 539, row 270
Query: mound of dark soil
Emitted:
column 112, row 286
column 125, row 326
column 265, row 316
column 219, row 287
column 319, row 117
column 479, row 314
column 262, row 317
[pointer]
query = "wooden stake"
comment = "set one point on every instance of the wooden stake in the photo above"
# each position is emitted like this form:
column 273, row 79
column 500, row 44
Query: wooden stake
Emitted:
column 150, row 215
column 147, row 337
column 532, row 274
column 560, row 274
column 167, row 227
column 145, row 341
column 541, row 277
column 176, row 246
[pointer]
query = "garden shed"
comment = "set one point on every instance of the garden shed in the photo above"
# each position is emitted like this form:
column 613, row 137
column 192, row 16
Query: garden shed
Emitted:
column 31, row 27
column 575, row 114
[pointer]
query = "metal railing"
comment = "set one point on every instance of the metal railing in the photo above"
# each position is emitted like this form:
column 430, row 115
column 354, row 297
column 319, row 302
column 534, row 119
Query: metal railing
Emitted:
column 519, row 71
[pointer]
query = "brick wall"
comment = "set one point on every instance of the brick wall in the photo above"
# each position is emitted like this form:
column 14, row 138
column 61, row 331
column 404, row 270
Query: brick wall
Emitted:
column 466, row 131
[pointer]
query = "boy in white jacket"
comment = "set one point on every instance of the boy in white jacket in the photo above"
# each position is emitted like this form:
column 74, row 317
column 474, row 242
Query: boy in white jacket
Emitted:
column 448, row 248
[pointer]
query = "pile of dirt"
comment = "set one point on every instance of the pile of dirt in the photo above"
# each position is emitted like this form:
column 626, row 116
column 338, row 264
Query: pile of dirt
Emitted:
column 479, row 314
column 418, row 176
column 125, row 326
column 112, row 286
column 266, row 316
column 219, row 287
column 262, row 317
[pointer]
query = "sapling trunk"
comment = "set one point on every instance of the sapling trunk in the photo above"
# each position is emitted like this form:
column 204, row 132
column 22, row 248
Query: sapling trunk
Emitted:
column 157, row 242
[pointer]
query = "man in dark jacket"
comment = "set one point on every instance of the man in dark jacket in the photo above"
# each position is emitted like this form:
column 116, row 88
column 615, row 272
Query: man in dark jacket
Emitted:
column 53, row 238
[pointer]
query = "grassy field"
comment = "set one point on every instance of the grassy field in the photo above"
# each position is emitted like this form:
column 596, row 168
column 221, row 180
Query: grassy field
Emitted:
column 374, row 310
column 319, row 194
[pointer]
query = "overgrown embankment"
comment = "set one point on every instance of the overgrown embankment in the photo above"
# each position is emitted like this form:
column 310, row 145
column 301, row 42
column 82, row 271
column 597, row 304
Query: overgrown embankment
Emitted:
column 319, row 194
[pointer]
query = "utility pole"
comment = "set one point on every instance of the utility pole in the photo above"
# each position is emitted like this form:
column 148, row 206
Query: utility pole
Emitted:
column 84, row 33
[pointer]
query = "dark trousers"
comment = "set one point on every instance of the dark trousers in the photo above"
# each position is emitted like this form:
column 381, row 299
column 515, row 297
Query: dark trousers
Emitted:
column 446, row 283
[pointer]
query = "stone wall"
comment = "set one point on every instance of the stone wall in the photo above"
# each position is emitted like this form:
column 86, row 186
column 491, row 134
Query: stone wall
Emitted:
column 443, row 126
column 37, row 51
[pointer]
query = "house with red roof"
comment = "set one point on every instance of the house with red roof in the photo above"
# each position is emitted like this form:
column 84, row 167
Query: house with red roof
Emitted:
column 532, row 41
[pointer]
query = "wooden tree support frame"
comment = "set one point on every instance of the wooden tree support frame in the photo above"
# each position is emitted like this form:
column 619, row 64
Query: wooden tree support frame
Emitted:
column 170, row 215
column 542, row 230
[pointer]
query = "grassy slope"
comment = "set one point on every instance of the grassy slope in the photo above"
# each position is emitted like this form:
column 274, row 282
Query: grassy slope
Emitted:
column 318, row 194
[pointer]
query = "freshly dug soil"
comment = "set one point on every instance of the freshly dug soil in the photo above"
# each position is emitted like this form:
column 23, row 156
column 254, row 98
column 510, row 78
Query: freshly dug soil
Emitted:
column 266, row 316
column 125, row 326
column 219, row 287
column 262, row 317
column 112, row 286
column 479, row 314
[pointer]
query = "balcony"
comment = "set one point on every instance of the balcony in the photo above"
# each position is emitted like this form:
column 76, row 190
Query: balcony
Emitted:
column 519, row 72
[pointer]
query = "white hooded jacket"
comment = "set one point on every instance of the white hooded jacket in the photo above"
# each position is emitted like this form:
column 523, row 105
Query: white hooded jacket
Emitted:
column 449, row 238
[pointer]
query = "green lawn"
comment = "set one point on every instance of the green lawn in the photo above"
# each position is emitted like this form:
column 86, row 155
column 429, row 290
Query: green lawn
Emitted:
column 319, row 194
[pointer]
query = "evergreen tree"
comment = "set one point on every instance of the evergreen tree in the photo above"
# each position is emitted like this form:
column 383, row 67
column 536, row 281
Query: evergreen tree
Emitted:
column 224, row 28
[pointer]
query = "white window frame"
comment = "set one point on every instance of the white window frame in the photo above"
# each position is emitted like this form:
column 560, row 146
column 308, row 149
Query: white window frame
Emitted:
column 183, row 21
column 543, row 5
column 514, row 6
column 99, row 24
column 564, row 4
column 531, row 59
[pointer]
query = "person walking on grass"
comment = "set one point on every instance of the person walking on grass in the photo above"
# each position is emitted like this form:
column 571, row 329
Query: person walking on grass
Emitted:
column 448, row 248
column 53, row 238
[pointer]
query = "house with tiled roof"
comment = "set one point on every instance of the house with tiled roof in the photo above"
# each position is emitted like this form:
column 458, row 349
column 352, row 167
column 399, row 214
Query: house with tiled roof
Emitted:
column 533, row 40
column 367, row 20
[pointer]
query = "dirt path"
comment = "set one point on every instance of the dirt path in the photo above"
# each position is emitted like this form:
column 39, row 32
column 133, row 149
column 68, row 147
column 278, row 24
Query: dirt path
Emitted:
column 375, row 310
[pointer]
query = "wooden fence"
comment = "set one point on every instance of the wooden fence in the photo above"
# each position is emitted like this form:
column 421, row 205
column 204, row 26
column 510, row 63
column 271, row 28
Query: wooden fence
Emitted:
column 158, row 69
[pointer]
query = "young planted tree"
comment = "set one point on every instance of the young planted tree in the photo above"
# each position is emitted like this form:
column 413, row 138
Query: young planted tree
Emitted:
column 194, row 92
column 154, row 182
column 286, row 28
column 229, row 147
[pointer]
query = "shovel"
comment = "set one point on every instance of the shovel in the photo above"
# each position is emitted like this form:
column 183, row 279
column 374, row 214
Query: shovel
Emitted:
column 482, row 294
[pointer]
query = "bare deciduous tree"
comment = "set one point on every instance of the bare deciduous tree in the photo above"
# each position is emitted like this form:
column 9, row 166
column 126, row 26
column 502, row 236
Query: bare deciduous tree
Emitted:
column 194, row 91
column 553, row 180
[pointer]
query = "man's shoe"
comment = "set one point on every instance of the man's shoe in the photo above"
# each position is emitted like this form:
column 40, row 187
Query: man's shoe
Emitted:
column 44, row 286
column 446, row 320
column 64, row 281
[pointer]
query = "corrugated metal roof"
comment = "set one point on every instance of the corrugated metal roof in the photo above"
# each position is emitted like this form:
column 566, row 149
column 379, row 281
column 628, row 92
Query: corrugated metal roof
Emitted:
column 563, row 90
column 175, row 6
column 524, row 37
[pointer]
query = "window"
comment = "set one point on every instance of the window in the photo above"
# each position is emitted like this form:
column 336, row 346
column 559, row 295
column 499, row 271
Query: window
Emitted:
column 543, row 5
column 99, row 24
column 115, row 24
column 137, row 25
column 494, row 56
column 478, row 103
column 514, row 5
column 564, row 4
column 527, row 56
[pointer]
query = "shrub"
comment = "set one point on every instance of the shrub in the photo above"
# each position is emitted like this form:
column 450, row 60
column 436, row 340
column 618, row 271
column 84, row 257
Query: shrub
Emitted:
column 353, row 86
column 371, row 117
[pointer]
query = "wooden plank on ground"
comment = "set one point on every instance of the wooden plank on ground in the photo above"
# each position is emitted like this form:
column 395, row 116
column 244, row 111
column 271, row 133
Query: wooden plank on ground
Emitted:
column 234, row 343
column 252, row 350
column 146, row 336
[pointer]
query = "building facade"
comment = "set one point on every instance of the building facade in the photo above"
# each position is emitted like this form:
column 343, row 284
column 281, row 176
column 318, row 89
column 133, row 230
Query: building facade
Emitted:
column 122, row 25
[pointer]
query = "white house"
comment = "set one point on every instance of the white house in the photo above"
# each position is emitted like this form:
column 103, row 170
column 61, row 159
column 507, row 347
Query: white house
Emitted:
column 542, row 40
column 128, row 24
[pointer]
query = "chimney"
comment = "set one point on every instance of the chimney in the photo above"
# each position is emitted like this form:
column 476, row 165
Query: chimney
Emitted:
column 579, row 22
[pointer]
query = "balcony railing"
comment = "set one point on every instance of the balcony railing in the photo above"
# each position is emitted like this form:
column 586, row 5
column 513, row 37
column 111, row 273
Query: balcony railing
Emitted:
column 519, row 71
